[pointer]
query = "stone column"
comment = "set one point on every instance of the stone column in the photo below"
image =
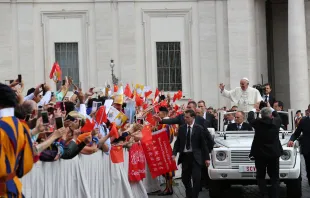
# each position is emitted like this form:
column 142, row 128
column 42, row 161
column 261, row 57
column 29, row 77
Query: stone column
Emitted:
column 298, row 62
column 242, row 41
column 223, row 70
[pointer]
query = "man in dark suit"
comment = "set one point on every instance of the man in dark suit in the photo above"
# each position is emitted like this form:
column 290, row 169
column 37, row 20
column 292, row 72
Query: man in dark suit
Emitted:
column 205, row 124
column 198, row 120
column 278, row 106
column 267, row 96
column 266, row 149
column 239, row 124
column 208, row 116
column 304, row 127
column 193, row 151
column 229, row 118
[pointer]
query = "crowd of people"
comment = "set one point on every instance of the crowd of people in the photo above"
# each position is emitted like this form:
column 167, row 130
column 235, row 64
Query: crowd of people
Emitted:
column 48, row 126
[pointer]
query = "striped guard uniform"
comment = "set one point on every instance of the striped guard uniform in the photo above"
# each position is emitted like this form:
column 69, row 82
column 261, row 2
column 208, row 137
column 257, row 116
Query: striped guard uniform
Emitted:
column 16, row 155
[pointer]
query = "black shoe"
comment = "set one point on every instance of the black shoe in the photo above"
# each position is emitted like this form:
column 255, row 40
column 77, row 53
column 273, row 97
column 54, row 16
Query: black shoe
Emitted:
column 165, row 193
column 154, row 193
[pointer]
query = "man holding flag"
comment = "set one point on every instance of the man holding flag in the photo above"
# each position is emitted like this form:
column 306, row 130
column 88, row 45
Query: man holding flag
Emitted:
column 163, row 114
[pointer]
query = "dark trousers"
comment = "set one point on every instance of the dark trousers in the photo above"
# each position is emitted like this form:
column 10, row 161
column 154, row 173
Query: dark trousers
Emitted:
column 272, row 165
column 307, row 163
column 191, row 170
column 204, row 176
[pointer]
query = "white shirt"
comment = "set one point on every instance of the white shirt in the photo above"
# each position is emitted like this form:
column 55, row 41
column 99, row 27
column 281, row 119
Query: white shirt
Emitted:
column 46, row 99
column 29, row 97
column 104, row 133
column 230, row 121
column 191, row 131
column 244, row 99
column 82, row 109
column 6, row 112
column 264, row 97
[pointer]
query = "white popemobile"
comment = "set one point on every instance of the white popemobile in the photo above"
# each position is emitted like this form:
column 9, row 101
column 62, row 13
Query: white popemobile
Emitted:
column 230, row 162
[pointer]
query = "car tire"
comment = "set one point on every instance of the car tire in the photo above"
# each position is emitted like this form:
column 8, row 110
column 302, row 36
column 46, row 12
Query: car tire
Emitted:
column 215, row 189
column 294, row 188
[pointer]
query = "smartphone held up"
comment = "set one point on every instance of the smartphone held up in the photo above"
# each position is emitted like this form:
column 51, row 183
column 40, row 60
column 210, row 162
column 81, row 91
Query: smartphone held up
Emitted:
column 45, row 119
column 59, row 122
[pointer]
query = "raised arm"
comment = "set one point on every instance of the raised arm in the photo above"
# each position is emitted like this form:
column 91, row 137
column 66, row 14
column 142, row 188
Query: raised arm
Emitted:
column 176, row 120
column 227, row 94
column 297, row 132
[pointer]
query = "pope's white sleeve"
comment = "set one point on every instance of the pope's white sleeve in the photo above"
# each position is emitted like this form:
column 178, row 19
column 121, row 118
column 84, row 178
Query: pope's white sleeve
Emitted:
column 228, row 94
column 259, row 97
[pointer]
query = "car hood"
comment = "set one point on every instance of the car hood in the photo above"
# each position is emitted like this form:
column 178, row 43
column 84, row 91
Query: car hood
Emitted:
column 241, row 141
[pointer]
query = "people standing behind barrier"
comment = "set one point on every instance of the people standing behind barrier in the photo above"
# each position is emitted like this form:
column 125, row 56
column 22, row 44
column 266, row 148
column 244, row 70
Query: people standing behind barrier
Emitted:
column 304, row 128
column 239, row 124
column 266, row 149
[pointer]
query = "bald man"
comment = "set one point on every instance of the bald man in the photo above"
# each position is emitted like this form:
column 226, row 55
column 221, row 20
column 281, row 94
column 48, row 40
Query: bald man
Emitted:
column 244, row 96
column 30, row 107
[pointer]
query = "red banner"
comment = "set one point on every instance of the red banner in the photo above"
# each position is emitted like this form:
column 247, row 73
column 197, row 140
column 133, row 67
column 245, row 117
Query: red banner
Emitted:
column 136, row 170
column 158, row 154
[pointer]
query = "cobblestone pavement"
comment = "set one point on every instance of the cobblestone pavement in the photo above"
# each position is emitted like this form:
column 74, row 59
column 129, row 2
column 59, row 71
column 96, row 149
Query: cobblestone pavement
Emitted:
column 240, row 191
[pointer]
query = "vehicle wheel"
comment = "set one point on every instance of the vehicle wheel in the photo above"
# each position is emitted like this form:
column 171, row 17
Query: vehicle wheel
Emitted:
column 293, row 188
column 215, row 189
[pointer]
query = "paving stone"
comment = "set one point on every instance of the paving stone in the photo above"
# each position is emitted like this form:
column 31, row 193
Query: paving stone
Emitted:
column 251, row 191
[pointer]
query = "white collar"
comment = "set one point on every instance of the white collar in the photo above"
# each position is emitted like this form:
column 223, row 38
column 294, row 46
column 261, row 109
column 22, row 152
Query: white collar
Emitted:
column 239, row 124
column 166, row 118
column 6, row 112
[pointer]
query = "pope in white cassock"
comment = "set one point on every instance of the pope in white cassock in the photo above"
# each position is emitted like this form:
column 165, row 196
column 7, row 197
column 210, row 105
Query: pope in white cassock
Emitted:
column 244, row 97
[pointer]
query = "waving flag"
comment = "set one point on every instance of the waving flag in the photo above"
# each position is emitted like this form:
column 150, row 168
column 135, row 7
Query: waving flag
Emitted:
column 56, row 72
column 148, row 93
column 101, row 115
column 156, row 93
column 117, row 154
column 127, row 91
column 115, row 88
column 113, row 131
column 139, row 101
column 89, row 126
column 146, row 133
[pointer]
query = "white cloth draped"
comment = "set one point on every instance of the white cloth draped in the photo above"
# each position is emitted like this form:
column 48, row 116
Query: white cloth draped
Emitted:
column 150, row 184
column 137, row 188
column 85, row 176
